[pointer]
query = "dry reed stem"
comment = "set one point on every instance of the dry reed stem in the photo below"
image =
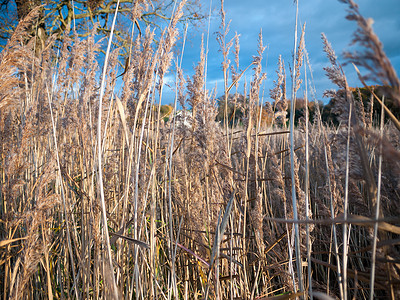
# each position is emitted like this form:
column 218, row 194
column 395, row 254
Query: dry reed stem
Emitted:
column 165, row 181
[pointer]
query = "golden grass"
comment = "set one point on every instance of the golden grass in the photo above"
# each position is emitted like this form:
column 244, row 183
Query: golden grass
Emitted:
column 188, row 208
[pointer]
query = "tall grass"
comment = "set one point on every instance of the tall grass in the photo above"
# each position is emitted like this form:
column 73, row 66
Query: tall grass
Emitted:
column 101, row 197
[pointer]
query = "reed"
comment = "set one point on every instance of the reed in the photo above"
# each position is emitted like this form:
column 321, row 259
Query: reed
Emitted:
column 103, row 197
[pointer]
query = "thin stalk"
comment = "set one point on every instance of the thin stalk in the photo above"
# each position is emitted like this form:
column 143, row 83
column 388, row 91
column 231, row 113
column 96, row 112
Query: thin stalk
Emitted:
column 100, row 167
column 136, row 195
column 73, row 14
column 333, row 225
column 49, row 97
column 346, row 207
column 206, row 56
column 378, row 197
column 171, row 150
column 294, row 201
column 306, row 188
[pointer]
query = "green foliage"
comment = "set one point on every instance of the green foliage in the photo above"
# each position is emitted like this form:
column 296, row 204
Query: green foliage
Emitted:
column 165, row 112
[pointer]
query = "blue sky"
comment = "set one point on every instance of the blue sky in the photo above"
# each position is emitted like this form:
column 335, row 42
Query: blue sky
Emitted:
column 276, row 20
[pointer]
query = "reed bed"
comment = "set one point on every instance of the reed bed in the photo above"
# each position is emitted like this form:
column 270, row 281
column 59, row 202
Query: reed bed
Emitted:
column 102, row 197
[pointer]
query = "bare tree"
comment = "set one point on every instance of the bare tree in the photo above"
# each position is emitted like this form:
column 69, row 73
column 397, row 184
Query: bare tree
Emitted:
column 77, row 16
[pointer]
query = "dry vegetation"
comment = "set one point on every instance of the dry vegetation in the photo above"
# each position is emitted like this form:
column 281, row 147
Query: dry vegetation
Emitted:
column 101, row 198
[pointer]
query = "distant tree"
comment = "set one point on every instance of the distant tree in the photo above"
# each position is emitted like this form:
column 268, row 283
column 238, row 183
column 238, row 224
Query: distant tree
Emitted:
column 327, row 115
column 266, row 115
column 165, row 112
column 366, row 97
column 300, row 112
column 236, row 107
column 367, row 107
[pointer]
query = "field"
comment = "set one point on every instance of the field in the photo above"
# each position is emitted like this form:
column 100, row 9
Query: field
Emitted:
column 104, row 194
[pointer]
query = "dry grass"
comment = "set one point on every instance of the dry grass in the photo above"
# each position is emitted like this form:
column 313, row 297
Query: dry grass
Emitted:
column 131, row 206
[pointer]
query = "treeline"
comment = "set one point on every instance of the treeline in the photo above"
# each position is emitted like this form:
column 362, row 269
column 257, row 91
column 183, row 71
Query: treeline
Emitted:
column 364, row 102
column 277, row 115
